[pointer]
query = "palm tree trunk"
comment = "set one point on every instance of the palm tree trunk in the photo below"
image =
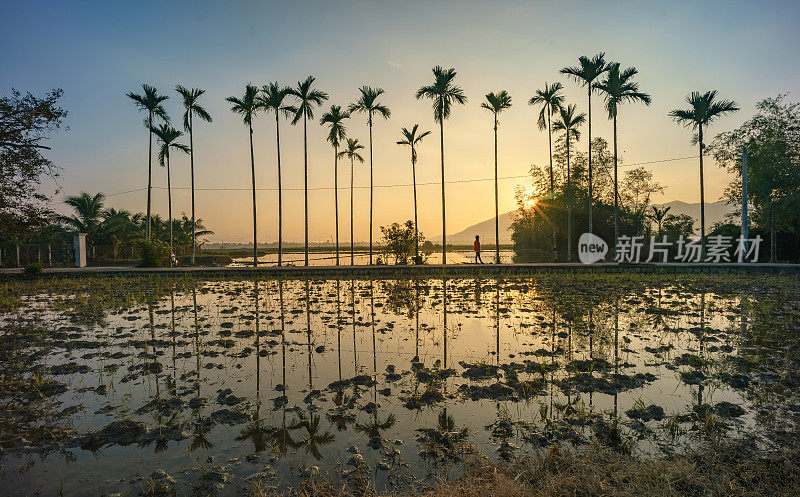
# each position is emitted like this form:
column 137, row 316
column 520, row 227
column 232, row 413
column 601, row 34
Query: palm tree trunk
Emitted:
column 191, row 167
column 414, row 181
column 702, row 199
column 336, row 196
column 253, row 179
column 496, row 200
column 280, row 190
column 552, row 181
column 590, row 158
column 305, row 181
column 616, row 191
column 352, row 257
column 569, row 205
column 370, row 188
column 169, row 210
column 149, row 170
column 444, row 225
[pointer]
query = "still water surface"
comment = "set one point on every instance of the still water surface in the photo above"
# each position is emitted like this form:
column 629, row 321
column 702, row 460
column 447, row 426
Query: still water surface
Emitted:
column 220, row 382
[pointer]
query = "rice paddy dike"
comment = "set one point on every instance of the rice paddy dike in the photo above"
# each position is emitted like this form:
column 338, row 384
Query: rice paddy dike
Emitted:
column 154, row 384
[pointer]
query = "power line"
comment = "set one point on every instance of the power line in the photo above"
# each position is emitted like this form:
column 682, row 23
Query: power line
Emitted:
column 397, row 185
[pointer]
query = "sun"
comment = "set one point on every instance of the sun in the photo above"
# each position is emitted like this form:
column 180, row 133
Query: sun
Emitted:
column 530, row 202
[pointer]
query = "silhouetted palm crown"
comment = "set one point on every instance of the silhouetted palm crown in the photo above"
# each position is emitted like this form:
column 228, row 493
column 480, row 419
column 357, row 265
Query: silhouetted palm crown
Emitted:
column 167, row 136
column 247, row 105
column 588, row 69
column 443, row 92
column 568, row 122
column 368, row 103
column 351, row 150
column 149, row 100
column 618, row 88
column 497, row 102
column 550, row 98
column 307, row 98
column 412, row 139
column 334, row 118
column 703, row 109
column 272, row 97
column 190, row 103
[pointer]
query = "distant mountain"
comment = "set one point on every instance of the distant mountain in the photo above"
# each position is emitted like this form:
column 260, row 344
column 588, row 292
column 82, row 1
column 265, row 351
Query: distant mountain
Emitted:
column 715, row 212
column 485, row 229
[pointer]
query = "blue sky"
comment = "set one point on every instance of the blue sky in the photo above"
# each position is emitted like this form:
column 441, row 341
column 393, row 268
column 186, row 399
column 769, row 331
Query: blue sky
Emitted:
column 97, row 51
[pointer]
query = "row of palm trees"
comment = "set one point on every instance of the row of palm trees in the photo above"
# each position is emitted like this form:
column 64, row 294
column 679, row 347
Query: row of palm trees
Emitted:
column 152, row 103
column 616, row 85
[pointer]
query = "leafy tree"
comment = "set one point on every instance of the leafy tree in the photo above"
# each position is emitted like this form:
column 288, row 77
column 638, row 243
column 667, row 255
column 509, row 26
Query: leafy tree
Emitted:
column 26, row 121
column 368, row 104
column 307, row 98
column 193, row 108
column 412, row 139
column 443, row 93
column 334, row 118
column 638, row 188
column 772, row 138
column 400, row 240
column 247, row 106
column 703, row 109
column 152, row 103
column 496, row 103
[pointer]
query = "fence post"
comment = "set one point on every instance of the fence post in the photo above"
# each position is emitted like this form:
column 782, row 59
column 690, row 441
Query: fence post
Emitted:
column 18, row 257
column 79, row 243
column 49, row 255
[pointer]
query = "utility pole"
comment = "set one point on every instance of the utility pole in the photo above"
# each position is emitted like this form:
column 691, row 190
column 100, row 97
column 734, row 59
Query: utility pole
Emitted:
column 745, row 224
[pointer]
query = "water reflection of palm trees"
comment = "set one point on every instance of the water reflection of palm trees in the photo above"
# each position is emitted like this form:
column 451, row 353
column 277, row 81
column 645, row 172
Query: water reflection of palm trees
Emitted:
column 255, row 430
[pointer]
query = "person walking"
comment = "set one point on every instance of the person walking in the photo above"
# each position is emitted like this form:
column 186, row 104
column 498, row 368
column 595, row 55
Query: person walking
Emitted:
column 477, row 246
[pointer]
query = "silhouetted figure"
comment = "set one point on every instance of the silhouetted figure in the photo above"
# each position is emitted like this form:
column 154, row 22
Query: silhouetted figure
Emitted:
column 477, row 246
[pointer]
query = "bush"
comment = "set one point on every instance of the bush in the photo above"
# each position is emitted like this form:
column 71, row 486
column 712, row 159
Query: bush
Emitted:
column 153, row 253
column 33, row 269
column 399, row 241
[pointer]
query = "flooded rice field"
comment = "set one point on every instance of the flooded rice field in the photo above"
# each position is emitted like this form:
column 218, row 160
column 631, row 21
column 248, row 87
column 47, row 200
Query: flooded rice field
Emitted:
column 128, row 385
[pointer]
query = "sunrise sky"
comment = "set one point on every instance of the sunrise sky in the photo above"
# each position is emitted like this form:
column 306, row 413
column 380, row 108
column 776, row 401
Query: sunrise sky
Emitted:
column 97, row 51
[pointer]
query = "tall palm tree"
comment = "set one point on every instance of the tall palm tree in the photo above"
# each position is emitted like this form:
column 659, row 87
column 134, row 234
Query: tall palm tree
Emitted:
column 496, row 103
column 568, row 122
column 167, row 135
column 550, row 98
column 368, row 104
column 444, row 93
column 307, row 99
column 271, row 98
column 247, row 106
column 618, row 88
column 193, row 108
column 334, row 118
column 412, row 139
column 585, row 73
column 151, row 102
column 703, row 110
column 351, row 152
